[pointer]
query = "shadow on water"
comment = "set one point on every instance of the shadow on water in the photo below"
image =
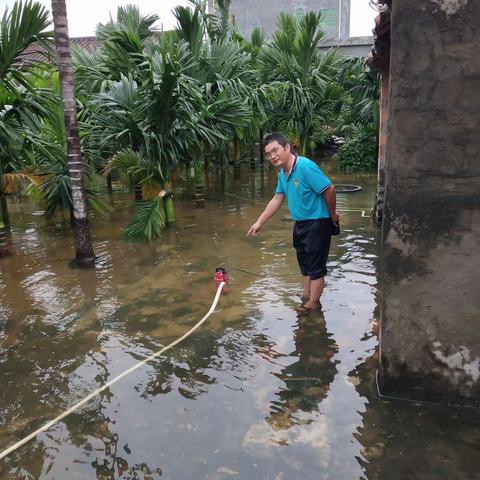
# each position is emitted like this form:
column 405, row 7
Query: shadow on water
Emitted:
column 257, row 393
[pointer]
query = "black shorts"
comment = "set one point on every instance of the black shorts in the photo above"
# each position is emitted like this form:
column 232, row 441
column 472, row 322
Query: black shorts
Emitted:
column 311, row 240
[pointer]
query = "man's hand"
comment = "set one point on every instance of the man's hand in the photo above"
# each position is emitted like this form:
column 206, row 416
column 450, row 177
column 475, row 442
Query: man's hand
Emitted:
column 254, row 229
column 273, row 205
column 335, row 218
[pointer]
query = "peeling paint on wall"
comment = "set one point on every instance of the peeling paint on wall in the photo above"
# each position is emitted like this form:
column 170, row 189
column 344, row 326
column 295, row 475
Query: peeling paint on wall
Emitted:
column 396, row 238
column 451, row 6
column 459, row 360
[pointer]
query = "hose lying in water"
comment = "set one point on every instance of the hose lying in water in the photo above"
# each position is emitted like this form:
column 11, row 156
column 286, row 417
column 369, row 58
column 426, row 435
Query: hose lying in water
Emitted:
column 114, row 380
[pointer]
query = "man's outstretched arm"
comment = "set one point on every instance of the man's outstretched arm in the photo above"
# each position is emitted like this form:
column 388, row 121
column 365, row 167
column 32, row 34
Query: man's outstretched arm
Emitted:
column 273, row 205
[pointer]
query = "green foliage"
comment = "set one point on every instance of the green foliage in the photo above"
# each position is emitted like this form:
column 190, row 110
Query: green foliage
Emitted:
column 190, row 28
column 171, row 98
column 359, row 116
column 24, row 25
column 302, row 82
column 21, row 108
column 149, row 220
column 218, row 26
column 359, row 152
column 322, row 132
column 123, row 40
column 150, row 102
column 43, row 156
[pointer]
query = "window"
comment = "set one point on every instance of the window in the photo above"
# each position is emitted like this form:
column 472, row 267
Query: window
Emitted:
column 329, row 19
column 299, row 13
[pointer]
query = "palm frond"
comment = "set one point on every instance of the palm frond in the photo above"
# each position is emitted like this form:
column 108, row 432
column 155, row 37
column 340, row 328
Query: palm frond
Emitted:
column 12, row 181
column 306, row 42
column 131, row 163
column 100, row 206
column 148, row 221
column 190, row 28
column 21, row 27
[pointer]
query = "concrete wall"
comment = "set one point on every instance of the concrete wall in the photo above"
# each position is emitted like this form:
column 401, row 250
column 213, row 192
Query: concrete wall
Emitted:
column 248, row 14
column 430, row 335
column 350, row 47
column 251, row 13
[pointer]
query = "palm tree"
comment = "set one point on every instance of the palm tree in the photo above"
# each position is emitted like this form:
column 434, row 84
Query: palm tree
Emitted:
column 223, row 68
column 259, row 92
column 362, row 86
column 359, row 117
column 21, row 27
column 302, row 81
column 148, row 120
column 84, row 254
column 48, row 168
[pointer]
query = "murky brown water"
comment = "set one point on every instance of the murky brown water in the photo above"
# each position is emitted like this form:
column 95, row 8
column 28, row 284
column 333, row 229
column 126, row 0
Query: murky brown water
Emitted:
column 257, row 393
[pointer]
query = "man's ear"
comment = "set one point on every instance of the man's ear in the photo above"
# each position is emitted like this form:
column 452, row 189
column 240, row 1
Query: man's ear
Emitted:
column 288, row 147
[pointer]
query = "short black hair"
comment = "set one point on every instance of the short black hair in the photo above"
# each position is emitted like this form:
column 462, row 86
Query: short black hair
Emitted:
column 275, row 137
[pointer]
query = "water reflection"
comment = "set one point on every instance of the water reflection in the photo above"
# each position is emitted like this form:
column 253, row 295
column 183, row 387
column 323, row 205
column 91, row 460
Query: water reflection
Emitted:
column 256, row 393
column 308, row 378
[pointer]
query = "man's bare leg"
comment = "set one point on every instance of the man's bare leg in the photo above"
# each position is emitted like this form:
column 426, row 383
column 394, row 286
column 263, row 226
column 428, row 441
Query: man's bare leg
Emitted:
column 306, row 288
column 316, row 290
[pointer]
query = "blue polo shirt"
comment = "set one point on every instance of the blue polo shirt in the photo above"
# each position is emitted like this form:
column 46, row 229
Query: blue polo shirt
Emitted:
column 303, row 188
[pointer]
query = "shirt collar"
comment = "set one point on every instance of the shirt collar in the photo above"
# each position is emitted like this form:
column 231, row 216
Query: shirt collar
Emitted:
column 294, row 163
column 293, row 167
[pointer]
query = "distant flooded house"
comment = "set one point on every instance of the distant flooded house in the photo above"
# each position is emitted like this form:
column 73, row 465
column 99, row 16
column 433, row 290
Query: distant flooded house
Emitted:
column 247, row 15
column 37, row 53
column 429, row 185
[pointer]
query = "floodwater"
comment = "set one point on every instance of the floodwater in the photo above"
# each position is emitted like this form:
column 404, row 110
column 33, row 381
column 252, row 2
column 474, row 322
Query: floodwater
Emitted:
column 257, row 393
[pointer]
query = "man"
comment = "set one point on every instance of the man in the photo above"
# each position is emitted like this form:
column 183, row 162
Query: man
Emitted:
column 312, row 203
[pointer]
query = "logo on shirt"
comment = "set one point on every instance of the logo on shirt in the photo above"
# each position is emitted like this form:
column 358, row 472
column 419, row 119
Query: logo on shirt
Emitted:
column 296, row 182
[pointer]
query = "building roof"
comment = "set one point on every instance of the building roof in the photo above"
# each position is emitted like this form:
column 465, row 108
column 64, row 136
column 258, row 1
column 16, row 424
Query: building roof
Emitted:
column 37, row 53
column 379, row 57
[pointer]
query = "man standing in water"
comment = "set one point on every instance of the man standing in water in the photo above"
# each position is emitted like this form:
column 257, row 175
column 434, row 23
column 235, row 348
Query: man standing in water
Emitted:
column 312, row 203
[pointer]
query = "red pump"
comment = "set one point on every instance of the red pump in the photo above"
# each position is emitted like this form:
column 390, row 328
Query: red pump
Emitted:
column 220, row 276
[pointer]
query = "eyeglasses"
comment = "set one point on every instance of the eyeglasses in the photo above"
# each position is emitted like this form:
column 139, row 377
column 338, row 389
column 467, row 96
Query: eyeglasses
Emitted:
column 274, row 151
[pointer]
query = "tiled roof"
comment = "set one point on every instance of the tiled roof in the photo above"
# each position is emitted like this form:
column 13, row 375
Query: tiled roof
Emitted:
column 36, row 53
column 379, row 57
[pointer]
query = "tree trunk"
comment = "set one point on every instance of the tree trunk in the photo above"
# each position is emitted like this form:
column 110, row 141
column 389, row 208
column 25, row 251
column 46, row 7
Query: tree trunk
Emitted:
column 236, row 158
column 252, row 157
column 261, row 152
column 223, row 179
column 109, row 183
column 3, row 206
column 206, row 166
column 4, row 218
column 5, row 237
column 303, row 144
column 138, row 192
column 262, row 182
column 84, row 254
column 169, row 210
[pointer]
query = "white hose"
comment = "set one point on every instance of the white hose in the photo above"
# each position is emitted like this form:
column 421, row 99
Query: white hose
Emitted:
column 114, row 380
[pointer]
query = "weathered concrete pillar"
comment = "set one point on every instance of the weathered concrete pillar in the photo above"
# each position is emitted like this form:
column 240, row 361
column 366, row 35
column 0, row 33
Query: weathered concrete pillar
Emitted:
column 430, row 335
column 382, row 148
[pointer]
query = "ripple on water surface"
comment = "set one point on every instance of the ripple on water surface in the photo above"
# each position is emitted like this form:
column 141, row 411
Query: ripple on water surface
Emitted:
column 257, row 393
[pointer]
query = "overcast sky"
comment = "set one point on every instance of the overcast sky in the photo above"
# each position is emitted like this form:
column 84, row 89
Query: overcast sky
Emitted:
column 83, row 15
